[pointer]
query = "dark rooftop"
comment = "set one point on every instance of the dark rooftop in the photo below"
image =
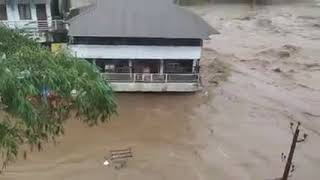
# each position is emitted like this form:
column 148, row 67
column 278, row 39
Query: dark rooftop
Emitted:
column 139, row 18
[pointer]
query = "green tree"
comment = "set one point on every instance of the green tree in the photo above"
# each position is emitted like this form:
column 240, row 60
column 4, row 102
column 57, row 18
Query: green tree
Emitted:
column 39, row 91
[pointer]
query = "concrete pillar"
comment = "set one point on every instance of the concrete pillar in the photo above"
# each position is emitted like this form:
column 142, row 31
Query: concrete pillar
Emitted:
column 130, row 66
column 194, row 65
column 132, row 76
column 161, row 66
column 12, row 11
column 33, row 11
column 49, row 14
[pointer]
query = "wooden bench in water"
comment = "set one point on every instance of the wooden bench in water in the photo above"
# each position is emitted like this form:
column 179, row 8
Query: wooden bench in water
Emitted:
column 120, row 157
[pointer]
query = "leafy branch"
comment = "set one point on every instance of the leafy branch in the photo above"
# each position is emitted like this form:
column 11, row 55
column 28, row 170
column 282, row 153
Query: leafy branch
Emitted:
column 38, row 90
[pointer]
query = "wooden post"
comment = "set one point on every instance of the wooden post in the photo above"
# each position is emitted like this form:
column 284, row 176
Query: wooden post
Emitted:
column 291, row 153
column 253, row 4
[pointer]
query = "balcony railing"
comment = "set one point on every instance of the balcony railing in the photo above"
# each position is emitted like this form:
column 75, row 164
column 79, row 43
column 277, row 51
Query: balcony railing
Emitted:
column 151, row 78
column 30, row 26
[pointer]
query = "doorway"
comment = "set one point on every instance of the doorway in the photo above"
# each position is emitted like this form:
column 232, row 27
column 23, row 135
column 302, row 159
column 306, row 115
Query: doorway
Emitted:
column 42, row 17
column 146, row 66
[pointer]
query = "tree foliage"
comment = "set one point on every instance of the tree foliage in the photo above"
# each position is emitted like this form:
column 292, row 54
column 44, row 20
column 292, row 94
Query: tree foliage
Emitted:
column 39, row 90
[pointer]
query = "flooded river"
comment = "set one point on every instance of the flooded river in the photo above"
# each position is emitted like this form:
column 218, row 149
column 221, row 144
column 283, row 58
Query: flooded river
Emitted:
column 156, row 126
column 235, row 129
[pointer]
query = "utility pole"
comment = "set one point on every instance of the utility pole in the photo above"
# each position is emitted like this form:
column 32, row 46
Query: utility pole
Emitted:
column 292, row 149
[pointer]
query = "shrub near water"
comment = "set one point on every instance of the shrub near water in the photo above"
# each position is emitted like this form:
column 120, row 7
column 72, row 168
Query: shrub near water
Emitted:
column 39, row 89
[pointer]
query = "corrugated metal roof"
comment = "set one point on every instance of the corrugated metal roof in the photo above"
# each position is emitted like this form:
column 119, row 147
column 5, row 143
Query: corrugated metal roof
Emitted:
column 139, row 18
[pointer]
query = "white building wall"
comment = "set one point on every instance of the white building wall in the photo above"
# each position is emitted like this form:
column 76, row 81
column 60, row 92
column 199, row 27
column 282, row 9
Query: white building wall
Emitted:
column 155, row 87
column 135, row 52
column 49, row 15
column 13, row 12
column 33, row 11
column 14, row 20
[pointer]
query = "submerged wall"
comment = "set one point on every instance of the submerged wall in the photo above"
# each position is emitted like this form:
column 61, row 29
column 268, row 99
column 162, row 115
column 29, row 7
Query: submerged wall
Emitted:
column 155, row 87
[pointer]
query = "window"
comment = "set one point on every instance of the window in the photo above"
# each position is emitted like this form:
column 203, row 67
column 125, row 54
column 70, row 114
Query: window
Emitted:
column 24, row 11
column 3, row 12
column 109, row 68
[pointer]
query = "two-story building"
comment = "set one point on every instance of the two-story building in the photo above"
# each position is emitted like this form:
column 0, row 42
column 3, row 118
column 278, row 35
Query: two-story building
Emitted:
column 141, row 45
column 32, row 17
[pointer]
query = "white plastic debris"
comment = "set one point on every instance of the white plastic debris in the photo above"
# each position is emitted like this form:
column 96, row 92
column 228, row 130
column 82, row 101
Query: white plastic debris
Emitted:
column 106, row 163
column 74, row 93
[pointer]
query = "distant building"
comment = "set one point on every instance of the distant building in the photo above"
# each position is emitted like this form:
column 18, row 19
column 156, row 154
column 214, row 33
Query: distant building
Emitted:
column 80, row 3
column 31, row 17
column 63, row 7
column 141, row 45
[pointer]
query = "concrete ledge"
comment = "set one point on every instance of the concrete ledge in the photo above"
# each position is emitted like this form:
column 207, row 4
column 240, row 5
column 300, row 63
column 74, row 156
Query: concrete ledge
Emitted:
column 155, row 87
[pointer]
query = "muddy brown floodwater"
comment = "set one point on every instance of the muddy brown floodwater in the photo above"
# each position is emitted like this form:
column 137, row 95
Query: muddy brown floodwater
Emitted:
column 156, row 126
column 261, row 73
